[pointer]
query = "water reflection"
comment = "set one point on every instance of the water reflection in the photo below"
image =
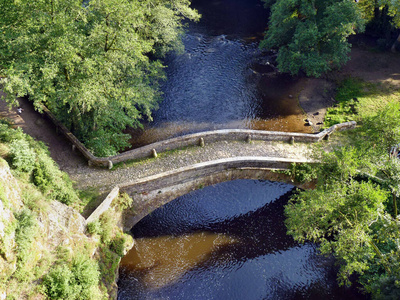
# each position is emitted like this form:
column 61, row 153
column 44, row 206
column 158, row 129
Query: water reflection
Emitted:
column 222, row 80
column 163, row 260
column 226, row 241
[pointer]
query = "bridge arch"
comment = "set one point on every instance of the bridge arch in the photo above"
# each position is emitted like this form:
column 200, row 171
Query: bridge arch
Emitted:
column 155, row 191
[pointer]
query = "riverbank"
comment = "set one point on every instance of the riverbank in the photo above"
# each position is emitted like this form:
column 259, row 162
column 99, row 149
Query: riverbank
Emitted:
column 366, row 63
column 315, row 97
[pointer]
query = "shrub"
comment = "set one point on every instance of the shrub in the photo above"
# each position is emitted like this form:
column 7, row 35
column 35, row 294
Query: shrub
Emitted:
column 59, row 283
column 25, row 233
column 107, row 225
column 302, row 172
column 123, row 201
column 54, row 183
column 78, row 280
column 118, row 244
column 8, row 134
column 22, row 155
column 94, row 227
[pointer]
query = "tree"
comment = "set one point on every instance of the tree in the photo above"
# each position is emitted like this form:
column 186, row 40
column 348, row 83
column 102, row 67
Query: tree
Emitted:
column 394, row 11
column 93, row 64
column 352, row 212
column 311, row 36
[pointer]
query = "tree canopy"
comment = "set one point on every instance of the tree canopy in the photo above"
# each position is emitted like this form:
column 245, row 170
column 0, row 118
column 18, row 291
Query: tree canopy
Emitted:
column 93, row 63
column 311, row 36
column 353, row 212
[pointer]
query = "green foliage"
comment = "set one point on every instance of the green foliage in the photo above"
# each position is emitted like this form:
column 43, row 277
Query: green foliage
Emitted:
column 384, row 129
column 393, row 10
column 311, row 36
column 118, row 244
column 77, row 280
column 32, row 157
column 107, row 227
column 123, row 201
column 108, row 264
column 58, row 283
column 302, row 172
column 90, row 64
column 337, row 217
column 359, row 100
column 25, row 234
column 23, row 157
column 94, row 227
column 352, row 212
column 349, row 89
column 51, row 181
column 7, row 134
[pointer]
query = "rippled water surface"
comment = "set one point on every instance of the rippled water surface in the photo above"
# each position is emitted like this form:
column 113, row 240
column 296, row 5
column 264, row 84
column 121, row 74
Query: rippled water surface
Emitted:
column 221, row 80
column 225, row 241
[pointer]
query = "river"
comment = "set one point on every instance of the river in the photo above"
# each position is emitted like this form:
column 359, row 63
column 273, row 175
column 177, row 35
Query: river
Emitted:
column 222, row 80
column 226, row 241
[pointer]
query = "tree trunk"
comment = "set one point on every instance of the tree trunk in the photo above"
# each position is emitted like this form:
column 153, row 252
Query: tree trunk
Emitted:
column 395, row 43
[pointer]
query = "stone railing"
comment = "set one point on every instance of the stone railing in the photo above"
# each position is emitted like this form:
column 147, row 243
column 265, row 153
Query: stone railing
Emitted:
column 199, row 139
column 153, row 191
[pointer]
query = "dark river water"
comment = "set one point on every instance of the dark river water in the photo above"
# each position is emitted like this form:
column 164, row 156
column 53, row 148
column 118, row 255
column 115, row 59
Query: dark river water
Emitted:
column 222, row 80
column 226, row 241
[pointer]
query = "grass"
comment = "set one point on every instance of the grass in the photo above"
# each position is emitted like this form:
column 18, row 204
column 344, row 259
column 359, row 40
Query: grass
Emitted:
column 358, row 99
column 89, row 199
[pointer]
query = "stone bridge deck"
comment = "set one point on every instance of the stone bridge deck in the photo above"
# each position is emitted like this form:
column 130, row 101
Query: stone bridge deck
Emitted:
column 105, row 179
column 224, row 153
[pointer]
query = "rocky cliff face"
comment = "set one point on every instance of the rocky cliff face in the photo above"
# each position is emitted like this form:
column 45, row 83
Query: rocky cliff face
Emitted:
column 55, row 225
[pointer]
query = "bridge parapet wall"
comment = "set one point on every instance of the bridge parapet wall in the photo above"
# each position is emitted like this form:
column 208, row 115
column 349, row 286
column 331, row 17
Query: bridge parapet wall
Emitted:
column 195, row 139
column 154, row 191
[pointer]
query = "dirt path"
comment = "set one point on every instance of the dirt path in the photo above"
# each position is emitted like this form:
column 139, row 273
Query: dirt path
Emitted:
column 316, row 96
column 76, row 166
column 366, row 63
column 43, row 130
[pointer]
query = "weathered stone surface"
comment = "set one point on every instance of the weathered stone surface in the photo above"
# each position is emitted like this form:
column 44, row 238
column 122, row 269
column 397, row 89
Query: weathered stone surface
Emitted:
column 62, row 222
column 9, row 186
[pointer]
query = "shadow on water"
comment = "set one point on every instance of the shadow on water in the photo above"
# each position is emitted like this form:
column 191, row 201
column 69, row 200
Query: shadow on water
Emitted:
column 226, row 242
column 222, row 80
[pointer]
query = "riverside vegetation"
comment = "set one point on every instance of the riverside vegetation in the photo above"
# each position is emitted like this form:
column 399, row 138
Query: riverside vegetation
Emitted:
column 43, row 253
column 97, row 84
column 353, row 211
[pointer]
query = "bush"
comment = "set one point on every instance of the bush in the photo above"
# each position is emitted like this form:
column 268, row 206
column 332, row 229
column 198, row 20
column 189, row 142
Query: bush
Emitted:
column 107, row 225
column 118, row 244
column 8, row 134
column 25, row 233
column 54, row 183
column 22, row 156
column 94, row 227
column 79, row 280
column 58, row 283
column 123, row 201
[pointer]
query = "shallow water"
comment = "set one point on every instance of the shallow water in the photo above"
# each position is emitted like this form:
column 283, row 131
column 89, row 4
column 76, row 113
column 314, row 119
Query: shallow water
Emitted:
column 222, row 79
column 226, row 241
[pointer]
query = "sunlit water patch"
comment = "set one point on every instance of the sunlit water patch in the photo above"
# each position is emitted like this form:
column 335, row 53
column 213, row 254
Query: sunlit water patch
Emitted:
column 226, row 241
